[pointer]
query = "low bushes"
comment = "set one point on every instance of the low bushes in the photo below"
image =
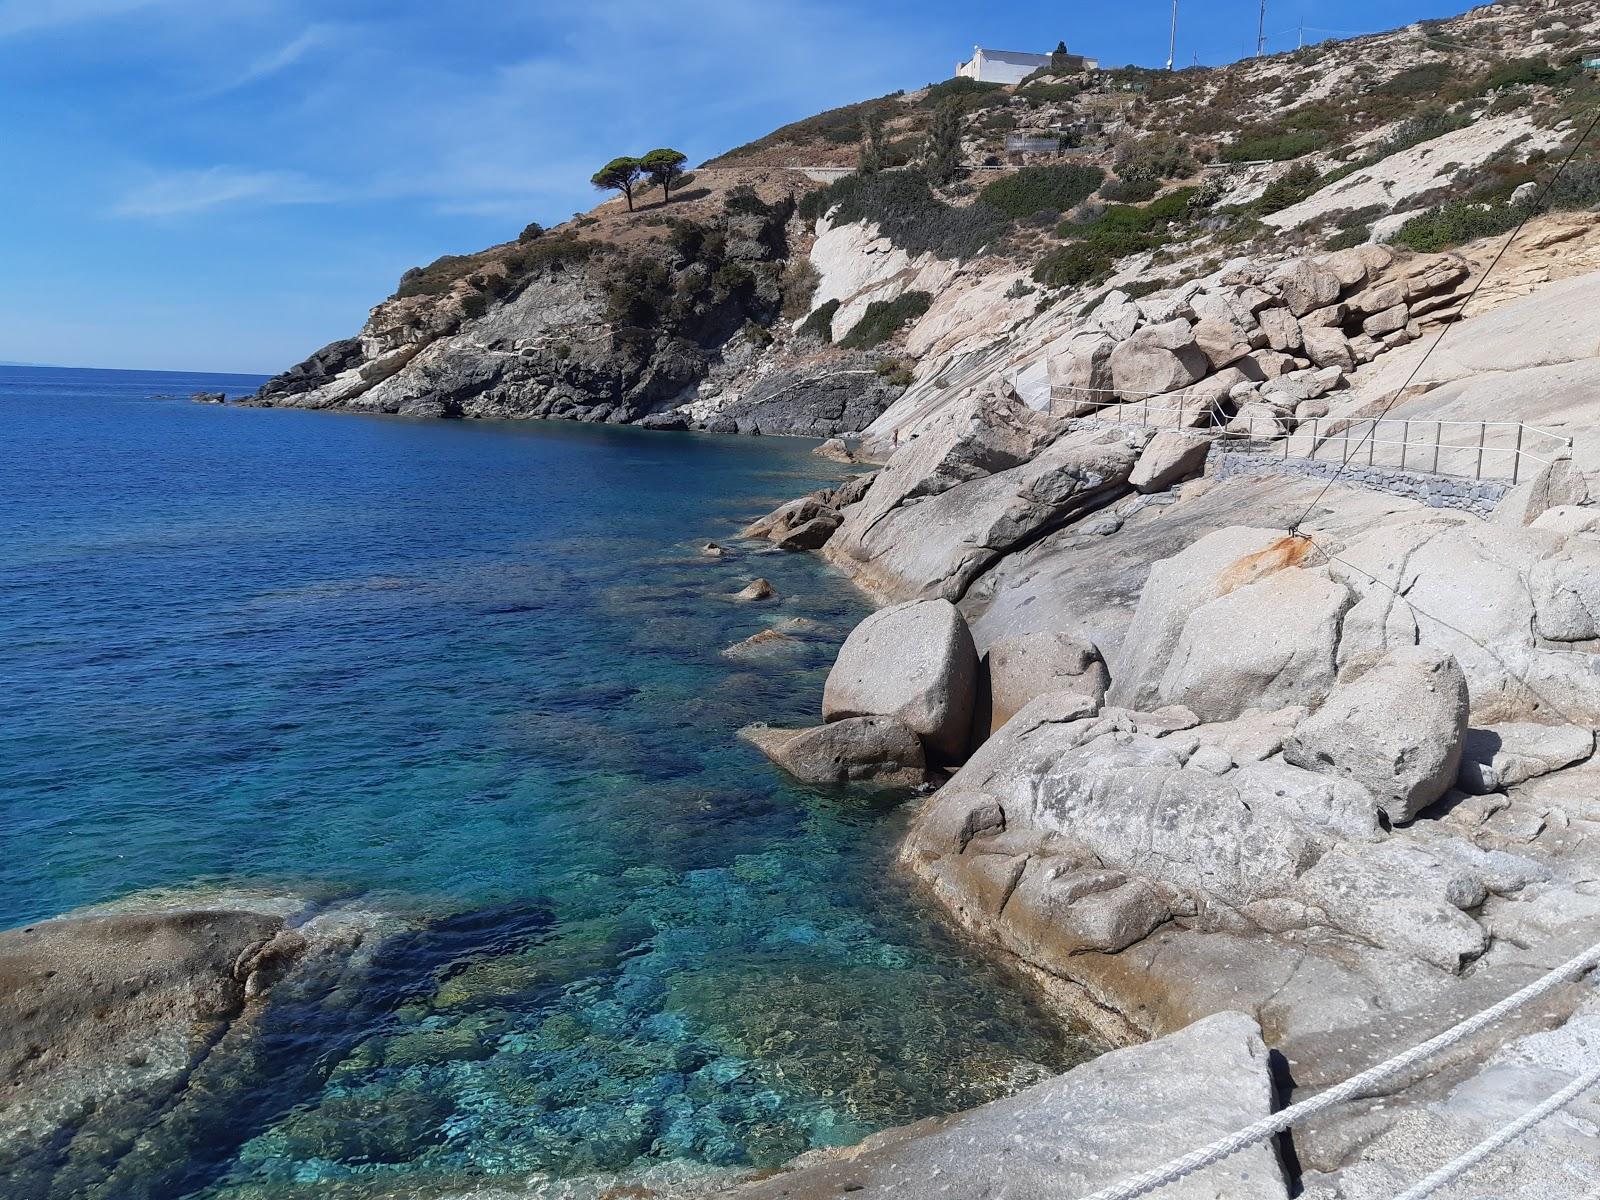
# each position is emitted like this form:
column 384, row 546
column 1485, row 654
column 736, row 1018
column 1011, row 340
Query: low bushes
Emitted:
column 884, row 318
column 1266, row 144
column 820, row 323
column 1456, row 222
column 1042, row 189
column 908, row 214
column 1128, row 191
column 1118, row 231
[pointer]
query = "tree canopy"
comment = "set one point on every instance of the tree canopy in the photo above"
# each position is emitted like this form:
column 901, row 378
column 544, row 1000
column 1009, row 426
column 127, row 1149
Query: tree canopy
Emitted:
column 664, row 167
column 619, row 175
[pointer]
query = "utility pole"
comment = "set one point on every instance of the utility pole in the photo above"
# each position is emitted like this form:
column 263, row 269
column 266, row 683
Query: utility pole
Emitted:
column 1261, row 31
column 1172, row 47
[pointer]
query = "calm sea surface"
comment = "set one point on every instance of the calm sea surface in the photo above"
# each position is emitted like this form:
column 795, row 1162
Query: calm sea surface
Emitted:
column 469, row 675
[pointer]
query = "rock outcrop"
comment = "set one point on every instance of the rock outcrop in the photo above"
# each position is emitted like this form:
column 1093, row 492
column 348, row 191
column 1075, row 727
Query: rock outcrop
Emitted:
column 914, row 662
column 1396, row 729
column 879, row 751
column 1078, row 1133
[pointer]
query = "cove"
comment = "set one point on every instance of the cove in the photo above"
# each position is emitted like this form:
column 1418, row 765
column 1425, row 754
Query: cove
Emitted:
column 470, row 675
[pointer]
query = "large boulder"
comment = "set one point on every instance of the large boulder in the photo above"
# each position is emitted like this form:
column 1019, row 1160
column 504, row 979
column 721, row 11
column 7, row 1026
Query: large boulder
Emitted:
column 1030, row 665
column 1267, row 644
column 1397, row 730
column 1209, row 567
column 864, row 750
column 1080, row 374
column 915, row 662
column 1306, row 285
column 1072, row 1135
column 1169, row 457
column 1158, row 359
column 1554, row 485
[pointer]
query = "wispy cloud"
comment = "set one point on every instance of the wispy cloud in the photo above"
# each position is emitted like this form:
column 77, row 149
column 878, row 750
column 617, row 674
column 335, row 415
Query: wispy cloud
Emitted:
column 188, row 191
column 28, row 16
column 267, row 65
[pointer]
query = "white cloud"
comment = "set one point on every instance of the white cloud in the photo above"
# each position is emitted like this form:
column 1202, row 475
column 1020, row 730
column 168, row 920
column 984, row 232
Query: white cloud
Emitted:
column 313, row 38
column 189, row 191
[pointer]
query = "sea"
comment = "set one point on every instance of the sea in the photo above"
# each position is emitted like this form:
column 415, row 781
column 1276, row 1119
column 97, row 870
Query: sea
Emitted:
column 469, row 680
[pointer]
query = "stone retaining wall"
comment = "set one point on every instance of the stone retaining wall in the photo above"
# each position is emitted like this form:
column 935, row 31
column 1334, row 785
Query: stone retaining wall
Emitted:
column 1478, row 496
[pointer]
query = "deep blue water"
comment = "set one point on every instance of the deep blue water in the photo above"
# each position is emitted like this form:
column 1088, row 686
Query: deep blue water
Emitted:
column 472, row 672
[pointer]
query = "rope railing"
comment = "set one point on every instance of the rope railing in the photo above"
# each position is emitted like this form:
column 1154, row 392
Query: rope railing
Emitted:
column 1475, row 449
column 1360, row 1085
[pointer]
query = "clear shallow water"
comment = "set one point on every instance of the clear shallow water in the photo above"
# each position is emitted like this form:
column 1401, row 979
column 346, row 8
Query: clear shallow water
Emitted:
column 471, row 674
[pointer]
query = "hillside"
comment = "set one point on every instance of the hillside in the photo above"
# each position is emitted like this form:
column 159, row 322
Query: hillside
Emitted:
column 717, row 311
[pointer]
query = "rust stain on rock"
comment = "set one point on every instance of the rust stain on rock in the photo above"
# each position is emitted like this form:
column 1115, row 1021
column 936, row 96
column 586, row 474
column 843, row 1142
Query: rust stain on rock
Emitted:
column 1288, row 551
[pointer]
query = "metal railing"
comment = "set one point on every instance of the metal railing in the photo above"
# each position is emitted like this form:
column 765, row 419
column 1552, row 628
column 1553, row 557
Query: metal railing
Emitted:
column 1505, row 450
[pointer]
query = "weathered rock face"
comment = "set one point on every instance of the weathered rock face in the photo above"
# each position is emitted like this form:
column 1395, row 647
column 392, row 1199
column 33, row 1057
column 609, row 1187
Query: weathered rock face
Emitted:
column 880, row 751
column 127, row 1039
column 1169, row 457
column 1396, row 730
column 937, row 545
column 1077, row 1133
column 574, row 334
column 82, row 998
column 1023, row 668
column 1264, row 645
column 844, row 395
column 1209, row 569
column 915, row 662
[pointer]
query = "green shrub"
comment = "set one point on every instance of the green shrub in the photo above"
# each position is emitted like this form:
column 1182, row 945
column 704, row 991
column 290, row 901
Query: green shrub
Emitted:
column 884, row 318
column 1042, row 189
column 1155, row 158
column 1129, row 191
column 1288, row 189
column 474, row 304
column 1456, row 222
column 1578, row 187
column 909, row 215
column 971, row 92
column 895, row 373
column 799, row 285
column 1275, row 144
column 1429, row 79
column 820, row 323
column 1526, row 72
column 530, row 231
column 1348, row 239
column 1050, row 93
column 837, row 126
column 1073, row 264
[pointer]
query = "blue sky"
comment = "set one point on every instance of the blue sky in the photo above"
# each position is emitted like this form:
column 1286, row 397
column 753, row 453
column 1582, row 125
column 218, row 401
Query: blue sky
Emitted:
column 228, row 184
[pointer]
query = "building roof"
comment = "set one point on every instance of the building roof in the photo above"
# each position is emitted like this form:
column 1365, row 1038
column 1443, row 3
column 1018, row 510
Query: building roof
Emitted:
column 1015, row 57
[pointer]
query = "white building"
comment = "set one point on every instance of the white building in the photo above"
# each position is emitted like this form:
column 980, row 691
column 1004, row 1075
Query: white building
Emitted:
column 1012, row 66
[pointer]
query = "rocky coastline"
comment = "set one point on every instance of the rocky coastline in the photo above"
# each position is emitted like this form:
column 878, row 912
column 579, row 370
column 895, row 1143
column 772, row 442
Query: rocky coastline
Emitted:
column 1263, row 763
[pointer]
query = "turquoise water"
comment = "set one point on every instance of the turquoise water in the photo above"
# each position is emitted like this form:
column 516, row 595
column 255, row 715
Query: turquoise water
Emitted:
column 470, row 674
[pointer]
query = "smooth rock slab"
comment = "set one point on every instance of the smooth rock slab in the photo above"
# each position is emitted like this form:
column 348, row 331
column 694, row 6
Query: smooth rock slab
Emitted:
column 1268, row 644
column 1502, row 756
column 1121, row 1114
column 914, row 661
column 868, row 750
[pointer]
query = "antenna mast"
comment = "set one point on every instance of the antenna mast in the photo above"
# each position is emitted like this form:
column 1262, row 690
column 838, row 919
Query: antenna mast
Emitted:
column 1261, row 31
column 1172, row 47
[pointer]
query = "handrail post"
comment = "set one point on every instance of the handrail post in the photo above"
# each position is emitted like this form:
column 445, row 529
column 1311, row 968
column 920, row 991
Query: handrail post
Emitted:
column 1483, row 431
column 1516, row 456
column 1438, row 437
column 1372, row 440
column 1405, row 443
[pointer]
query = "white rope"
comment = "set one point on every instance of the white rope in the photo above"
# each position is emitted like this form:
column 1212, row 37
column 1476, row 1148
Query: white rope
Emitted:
column 1355, row 1086
column 1458, row 1167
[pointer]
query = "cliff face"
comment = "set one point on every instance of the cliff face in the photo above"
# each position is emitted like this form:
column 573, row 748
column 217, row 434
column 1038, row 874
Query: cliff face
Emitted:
column 723, row 308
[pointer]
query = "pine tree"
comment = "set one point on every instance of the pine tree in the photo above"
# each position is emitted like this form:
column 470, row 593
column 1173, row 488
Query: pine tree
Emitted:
column 619, row 175
column 942, row 158
column 871, row 159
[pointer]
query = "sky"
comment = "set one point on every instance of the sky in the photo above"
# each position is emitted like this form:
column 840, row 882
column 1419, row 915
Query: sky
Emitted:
column 226, row 185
